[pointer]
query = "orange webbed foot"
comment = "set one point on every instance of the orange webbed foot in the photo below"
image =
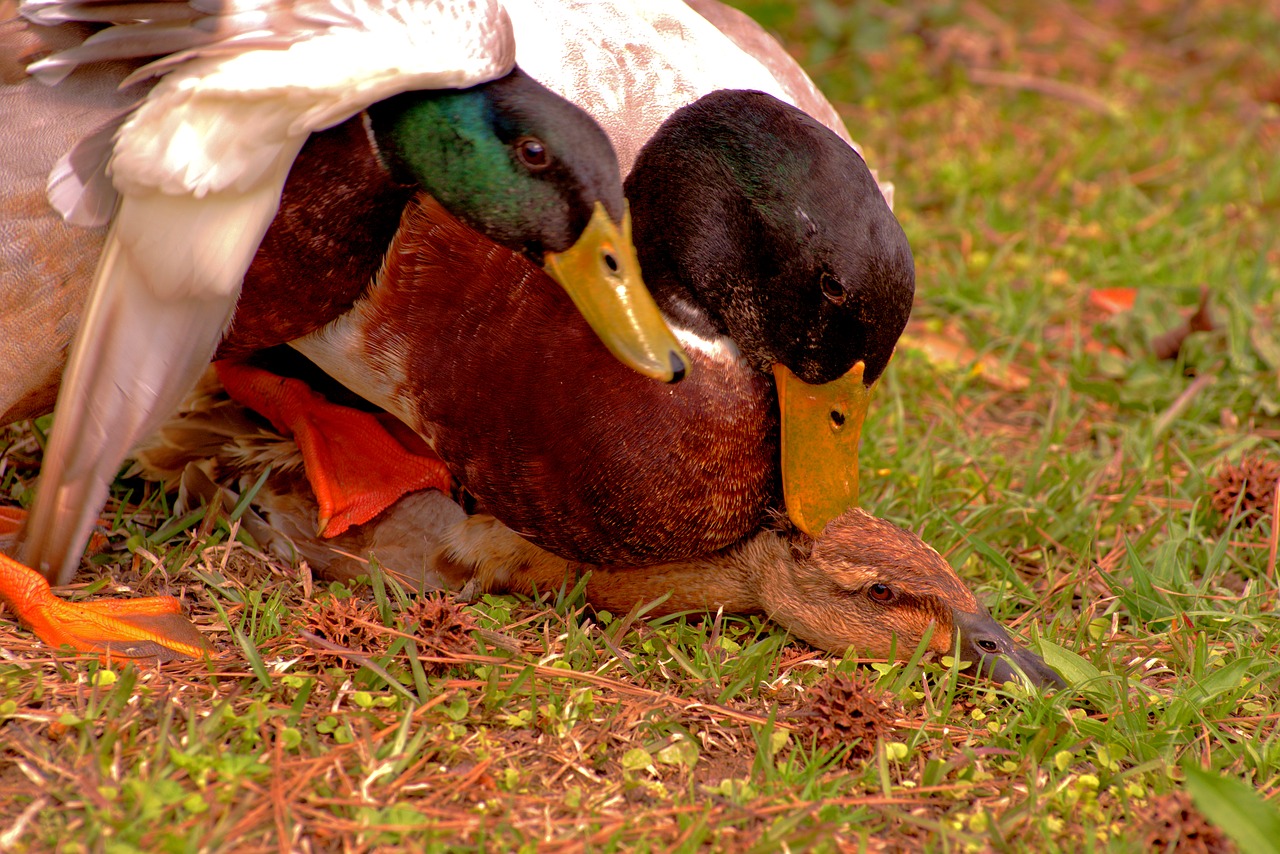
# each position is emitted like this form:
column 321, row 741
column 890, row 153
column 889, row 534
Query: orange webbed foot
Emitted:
column 356, row 464
column 151, row 628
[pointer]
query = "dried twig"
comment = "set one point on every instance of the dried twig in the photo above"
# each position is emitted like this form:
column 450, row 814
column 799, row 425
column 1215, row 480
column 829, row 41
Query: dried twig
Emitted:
column 1169, row 344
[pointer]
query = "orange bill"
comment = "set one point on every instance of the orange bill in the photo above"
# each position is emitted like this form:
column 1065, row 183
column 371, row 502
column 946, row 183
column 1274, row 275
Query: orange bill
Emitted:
column 821, row 429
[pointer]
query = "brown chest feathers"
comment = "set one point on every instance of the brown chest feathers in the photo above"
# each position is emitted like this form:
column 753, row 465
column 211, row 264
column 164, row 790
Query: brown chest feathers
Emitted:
column 339, row 212
column 571, row 449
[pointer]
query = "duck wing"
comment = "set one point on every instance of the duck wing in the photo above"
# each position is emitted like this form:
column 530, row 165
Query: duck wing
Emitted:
column 198, row 167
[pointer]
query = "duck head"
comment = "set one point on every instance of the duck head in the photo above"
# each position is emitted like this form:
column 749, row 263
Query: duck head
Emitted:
column 870, row 586
column 789, row 249
column 533, row 172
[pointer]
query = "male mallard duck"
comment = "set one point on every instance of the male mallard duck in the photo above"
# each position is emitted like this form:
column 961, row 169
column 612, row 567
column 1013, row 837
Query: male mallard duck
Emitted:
column 199, row 166
column 765, row 229
column 864, row 585
column 786, row 265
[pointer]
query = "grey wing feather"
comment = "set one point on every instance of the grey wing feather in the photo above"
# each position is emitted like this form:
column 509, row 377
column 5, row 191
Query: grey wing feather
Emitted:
column 174, row 30
column 79, row 186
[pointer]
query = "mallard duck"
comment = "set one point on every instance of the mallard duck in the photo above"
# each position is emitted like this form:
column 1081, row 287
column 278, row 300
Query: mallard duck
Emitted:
column 864, row 585
column 674, row 30
column 191, row 178
column 791, row 265
column 631, row 65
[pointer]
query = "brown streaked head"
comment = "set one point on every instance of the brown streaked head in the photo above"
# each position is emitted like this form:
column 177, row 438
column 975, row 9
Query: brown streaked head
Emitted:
column 870, row 586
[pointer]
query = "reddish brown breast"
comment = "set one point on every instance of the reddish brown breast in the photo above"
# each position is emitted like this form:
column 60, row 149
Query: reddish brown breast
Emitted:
column 338, row 214
column 557, row 439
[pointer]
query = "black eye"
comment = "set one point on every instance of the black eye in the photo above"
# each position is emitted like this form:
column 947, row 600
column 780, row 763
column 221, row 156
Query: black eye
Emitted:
column 532, row 153
column 831, row 288
column 988, row 645
column 881, row 593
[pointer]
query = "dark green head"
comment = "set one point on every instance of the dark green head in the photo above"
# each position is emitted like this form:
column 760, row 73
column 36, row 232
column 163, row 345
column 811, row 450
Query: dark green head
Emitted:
column 511, row 158
column 773, row 225
column 531, row 171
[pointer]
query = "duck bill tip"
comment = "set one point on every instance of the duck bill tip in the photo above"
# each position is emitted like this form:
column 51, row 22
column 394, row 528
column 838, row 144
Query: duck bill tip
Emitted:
column 1022, row 666
column 1010, row 662
column 821, row 429
column 601, row 274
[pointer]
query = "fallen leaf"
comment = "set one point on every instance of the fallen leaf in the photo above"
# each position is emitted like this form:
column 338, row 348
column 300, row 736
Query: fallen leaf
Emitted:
column 1113, row 300
column 947, row 351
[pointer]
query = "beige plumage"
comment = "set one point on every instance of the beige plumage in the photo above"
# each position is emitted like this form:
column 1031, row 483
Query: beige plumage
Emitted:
column 45, row 264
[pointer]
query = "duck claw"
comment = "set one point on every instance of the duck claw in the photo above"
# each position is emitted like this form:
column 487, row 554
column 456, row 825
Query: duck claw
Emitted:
column 148, row 628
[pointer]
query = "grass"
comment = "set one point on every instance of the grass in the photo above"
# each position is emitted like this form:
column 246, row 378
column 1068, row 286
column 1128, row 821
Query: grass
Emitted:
column 1026, row 429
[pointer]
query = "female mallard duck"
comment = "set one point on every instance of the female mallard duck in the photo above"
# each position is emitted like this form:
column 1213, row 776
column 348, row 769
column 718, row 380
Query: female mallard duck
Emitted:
column 865, row 585
column 191, row 178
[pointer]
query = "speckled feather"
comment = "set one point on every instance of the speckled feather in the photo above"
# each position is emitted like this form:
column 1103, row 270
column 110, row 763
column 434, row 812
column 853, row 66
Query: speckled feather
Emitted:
column 632, row 64
column 45, row 264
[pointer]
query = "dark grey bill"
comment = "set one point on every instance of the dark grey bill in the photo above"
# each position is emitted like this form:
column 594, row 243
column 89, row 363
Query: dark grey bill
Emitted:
column 986, row 643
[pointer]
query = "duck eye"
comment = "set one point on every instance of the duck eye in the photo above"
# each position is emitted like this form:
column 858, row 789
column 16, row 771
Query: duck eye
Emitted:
column 831, row 288
column 881, row 593
column 532, row 153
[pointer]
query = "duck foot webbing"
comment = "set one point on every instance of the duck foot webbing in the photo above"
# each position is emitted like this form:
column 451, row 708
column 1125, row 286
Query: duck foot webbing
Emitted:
column 151, row 628
column 358, row 464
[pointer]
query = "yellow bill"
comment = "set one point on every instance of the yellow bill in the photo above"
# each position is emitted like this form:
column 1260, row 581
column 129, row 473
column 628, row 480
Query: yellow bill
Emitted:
column 821, row 428
column 601, row 274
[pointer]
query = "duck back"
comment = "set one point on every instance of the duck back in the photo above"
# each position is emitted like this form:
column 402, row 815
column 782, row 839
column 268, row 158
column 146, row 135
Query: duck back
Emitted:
column 631, row 65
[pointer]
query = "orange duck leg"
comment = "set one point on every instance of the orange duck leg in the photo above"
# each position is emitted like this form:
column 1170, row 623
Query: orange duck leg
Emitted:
column 357, row 463
column 152, row 628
